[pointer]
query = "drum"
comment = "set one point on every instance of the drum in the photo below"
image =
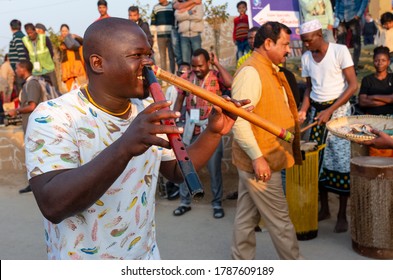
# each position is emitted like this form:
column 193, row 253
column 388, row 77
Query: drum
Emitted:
column 302, row 193
column 372, row 206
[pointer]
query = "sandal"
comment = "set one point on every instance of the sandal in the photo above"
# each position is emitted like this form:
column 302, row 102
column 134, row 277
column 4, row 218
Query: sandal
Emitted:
column 181, row 210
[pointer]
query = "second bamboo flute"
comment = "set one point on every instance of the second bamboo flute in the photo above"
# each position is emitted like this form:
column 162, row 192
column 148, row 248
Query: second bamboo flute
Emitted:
column 224, row 104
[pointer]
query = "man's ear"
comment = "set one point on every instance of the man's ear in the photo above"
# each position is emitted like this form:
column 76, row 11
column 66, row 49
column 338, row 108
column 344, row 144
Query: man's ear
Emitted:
column 268, row 44
column 96, row 63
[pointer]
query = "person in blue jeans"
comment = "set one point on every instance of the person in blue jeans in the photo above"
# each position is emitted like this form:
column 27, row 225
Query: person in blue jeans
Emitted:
column 240, row 30
column 176, row 46
column 350, row 13
column 197, row 112
column 189, row 17
column 214, row 168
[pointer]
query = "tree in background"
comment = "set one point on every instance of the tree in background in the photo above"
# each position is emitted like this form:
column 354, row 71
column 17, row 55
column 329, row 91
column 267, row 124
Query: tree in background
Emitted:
column 215, row 17
column 56, row 41
column 143, row 10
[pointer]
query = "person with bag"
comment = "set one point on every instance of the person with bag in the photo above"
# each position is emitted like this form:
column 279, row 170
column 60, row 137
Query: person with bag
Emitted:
column 31, row 95
column 72, row 65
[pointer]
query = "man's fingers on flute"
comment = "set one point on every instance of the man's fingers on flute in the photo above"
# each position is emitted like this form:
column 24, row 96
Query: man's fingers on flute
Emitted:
column 158, row 141
column 158, row 116
column 166, row 128
column 157, row 106
column 249, row 108
column 238, row 103
column 244, row 102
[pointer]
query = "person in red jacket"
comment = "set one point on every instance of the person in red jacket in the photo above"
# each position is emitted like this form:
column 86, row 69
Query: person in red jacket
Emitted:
column 240, row 30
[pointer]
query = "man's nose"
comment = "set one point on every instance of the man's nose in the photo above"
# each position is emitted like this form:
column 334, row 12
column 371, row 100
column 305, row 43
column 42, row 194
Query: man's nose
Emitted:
column 146, row 60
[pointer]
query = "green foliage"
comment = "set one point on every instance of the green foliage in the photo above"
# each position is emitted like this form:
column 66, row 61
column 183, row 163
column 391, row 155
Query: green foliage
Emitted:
column 215, row 15
column 2, row 54
column 54, row 38
column 143, row 10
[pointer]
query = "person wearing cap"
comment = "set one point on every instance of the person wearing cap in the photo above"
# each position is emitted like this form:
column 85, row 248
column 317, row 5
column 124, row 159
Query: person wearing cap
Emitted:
column 331, row 81
column 321, row 10
column 40, row 28
column 260, row 156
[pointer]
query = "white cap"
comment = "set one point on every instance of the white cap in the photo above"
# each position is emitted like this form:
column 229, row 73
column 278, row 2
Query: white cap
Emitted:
column 310, row 26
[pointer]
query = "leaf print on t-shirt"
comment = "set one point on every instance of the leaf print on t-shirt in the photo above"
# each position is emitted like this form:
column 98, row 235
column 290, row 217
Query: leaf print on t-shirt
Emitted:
column 90, row 251
column 128, row 174
column 132, row 204
column 71, row 158
column 35, row 145
column 118, row 232
column 94, row 231
column 46, row 119
column 137, row 214
column 111, row 126
column 86, row 131
column 133, row 242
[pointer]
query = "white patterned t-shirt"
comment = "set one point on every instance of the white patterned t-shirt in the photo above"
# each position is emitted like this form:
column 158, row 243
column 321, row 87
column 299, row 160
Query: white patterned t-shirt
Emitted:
column 67, row 132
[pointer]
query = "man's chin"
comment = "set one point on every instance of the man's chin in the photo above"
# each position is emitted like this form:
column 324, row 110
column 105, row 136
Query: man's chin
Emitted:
column 146, row 94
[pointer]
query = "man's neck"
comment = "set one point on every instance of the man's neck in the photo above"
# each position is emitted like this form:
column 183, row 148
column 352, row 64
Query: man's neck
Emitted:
column 324, row 47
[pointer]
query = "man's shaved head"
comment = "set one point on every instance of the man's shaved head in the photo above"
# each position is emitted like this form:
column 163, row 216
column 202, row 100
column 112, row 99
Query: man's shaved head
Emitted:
column 115, row 51
column 104, row 35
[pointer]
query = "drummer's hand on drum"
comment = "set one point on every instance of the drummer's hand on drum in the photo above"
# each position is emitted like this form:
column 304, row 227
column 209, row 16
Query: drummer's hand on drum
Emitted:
column 261, row 169
column 382, row 141
column 323, row 117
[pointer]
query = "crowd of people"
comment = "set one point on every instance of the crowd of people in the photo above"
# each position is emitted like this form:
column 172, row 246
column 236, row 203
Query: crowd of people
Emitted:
column 94, row 155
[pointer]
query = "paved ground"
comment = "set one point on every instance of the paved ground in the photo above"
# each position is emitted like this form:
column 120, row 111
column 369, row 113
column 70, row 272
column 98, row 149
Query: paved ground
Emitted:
column 196, row 235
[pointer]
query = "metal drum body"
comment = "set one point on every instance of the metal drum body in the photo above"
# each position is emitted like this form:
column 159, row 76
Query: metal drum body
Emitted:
column 372, row 206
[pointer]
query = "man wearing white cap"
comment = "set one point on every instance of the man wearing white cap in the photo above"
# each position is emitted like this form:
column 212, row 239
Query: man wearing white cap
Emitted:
column 321, row 10
column 331, row 81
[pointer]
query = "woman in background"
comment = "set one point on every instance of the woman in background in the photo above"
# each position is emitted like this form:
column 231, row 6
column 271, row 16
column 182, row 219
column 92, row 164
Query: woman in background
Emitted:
column 72, row 65
column 376, row 92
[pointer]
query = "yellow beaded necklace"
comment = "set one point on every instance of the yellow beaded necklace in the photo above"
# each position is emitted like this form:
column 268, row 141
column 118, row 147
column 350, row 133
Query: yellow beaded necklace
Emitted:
column 103, row 109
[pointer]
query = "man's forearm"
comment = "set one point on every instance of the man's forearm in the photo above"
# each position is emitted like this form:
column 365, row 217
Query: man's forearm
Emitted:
column 186, row 5
column 77, row 189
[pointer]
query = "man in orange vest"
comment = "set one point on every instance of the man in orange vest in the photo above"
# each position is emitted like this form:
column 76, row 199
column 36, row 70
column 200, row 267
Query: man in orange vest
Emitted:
column 260, row 156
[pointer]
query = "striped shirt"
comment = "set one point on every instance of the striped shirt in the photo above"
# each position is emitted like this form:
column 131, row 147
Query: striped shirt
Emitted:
column 163, row 18
column 240, row 30
column 17, row 50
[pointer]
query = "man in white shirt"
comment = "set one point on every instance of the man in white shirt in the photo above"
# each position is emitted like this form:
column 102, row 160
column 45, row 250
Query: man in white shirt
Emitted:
column 331, row 81
column 93, row 155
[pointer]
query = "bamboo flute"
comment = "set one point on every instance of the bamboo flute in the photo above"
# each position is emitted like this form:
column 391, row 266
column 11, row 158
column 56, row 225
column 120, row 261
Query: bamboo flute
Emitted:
column 224, row 104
